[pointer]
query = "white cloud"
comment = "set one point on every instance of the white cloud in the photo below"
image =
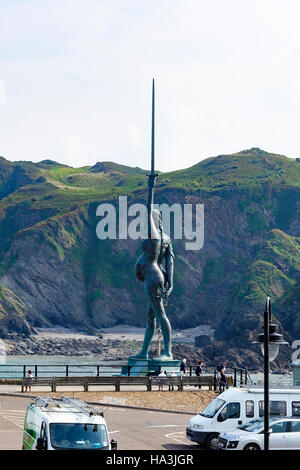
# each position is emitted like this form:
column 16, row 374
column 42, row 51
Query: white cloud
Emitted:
column 79, row 74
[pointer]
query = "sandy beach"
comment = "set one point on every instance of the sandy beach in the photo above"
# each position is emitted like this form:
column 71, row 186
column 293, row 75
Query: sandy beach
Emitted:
column 125, row 333
column 115, row 343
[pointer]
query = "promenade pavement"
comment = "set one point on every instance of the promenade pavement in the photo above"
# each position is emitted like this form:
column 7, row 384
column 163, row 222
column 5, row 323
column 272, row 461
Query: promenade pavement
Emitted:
column 103, row 388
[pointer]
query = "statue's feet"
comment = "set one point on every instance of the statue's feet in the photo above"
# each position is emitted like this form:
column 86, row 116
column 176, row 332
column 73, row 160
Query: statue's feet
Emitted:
column 139, row 356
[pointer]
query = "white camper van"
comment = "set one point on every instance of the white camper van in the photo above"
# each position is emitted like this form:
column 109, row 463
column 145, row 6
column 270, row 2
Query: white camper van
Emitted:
column 236, row 406
column 67, row 423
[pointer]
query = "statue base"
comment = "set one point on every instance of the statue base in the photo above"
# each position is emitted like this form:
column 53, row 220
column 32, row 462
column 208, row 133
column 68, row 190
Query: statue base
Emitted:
column 138, row 366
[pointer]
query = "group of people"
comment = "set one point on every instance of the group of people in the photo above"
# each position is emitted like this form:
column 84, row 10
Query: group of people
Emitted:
column 183, row 370
column 199, row 371
column 164, row 374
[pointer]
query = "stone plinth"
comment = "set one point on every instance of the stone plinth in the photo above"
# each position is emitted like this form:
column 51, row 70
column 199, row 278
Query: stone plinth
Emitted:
column 150, row 366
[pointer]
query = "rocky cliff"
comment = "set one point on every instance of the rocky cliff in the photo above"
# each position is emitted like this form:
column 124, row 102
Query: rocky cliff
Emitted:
column 55, row 271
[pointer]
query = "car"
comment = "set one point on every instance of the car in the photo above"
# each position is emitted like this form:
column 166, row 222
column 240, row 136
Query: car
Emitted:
column 284, row 435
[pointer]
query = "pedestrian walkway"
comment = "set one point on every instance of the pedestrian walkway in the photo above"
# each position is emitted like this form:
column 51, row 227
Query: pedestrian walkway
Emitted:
column 70, row 388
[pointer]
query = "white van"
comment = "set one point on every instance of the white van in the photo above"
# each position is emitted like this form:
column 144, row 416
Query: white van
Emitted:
column 67, row 423
column 236, row 406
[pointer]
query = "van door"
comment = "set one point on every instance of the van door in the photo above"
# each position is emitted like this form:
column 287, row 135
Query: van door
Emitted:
column 229, row 417
column 42, row 441
column 279, row 436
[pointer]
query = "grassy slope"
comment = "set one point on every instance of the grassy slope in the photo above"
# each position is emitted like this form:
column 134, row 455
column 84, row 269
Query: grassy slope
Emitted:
column 52, row 187
column 273, row 273
column 65, row 186
column 247, row 168
column 289, row 310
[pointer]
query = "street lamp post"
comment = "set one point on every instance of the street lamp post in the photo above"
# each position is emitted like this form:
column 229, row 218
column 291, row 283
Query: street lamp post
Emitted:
column 269, row 342
column 267, row 314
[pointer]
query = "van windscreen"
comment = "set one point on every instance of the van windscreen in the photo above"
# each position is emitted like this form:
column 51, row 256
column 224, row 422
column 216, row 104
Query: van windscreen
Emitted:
column 212, row 408
column 78, row 436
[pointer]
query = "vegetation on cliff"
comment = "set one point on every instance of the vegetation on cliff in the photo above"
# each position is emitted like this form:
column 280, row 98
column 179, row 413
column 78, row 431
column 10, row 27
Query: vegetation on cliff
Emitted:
column 55, row 271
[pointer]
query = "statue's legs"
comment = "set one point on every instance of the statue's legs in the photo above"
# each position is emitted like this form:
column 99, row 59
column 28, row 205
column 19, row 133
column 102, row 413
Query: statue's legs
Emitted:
column 161, row 317
column 156, row 312
column 149, row 333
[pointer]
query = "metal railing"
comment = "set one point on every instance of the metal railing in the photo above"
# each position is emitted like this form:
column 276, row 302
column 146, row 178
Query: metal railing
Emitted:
column 237, row 376
column 8, row 371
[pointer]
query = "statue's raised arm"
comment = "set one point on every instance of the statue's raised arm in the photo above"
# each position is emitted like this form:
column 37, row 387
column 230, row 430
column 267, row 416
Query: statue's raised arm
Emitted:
column 152, row 231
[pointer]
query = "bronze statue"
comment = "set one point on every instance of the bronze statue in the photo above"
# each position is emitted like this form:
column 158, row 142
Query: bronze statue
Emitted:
column 155, row 268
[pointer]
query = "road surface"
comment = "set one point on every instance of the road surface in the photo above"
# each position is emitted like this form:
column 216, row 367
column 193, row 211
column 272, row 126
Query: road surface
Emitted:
column 132, row 429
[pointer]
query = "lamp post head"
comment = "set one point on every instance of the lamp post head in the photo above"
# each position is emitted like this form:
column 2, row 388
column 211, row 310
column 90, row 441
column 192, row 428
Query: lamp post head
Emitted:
column 275, row 340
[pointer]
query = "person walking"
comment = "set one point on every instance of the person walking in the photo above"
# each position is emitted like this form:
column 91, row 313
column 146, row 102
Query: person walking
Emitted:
column 183, row 368
column 223, row 379
column 199, row 371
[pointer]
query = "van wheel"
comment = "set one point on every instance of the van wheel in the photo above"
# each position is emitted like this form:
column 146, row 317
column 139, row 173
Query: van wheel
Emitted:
column 252, row 447
column 211, row 442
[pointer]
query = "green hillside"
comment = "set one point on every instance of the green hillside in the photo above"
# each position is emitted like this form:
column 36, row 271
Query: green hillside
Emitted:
column 247, row 169
column 55, row 271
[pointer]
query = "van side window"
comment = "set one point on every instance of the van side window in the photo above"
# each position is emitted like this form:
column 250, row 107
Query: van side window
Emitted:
column 296, row 408
column 232, row 410
column 277, row 408
column 249, row 409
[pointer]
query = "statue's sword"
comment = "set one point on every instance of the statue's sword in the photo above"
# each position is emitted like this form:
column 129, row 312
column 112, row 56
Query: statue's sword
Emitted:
column 153, row 175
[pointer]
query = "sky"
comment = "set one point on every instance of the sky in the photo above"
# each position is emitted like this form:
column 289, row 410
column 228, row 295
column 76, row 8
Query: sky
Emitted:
column 76, row 78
